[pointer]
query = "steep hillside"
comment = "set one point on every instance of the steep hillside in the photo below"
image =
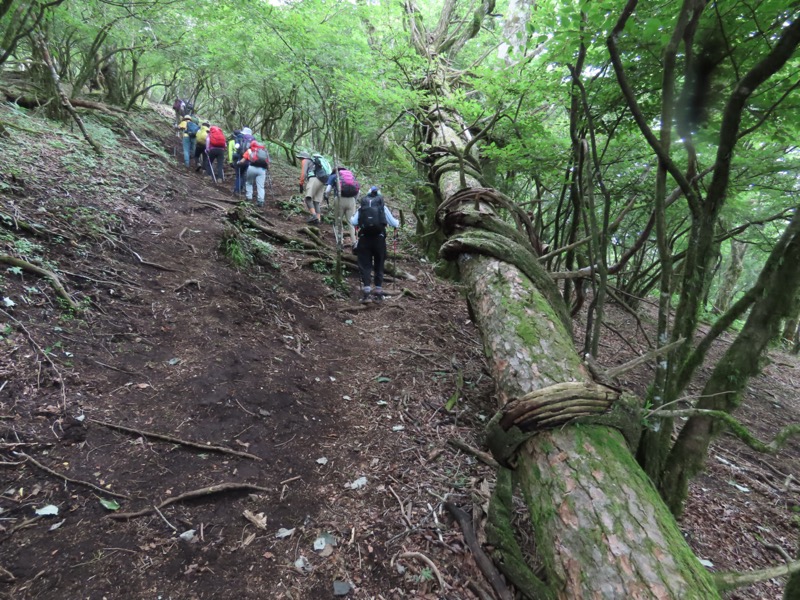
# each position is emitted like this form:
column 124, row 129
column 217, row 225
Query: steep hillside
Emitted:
column 212, row 419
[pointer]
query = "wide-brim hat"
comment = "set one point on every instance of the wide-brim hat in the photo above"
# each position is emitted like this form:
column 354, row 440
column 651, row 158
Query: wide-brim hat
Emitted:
column 303, row 155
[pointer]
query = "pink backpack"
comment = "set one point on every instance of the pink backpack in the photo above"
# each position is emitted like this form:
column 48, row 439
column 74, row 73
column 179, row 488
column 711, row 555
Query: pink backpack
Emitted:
column 348, row 184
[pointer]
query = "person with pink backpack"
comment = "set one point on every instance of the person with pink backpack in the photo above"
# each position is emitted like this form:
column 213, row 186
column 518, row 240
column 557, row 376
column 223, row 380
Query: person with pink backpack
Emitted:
column 345, row 189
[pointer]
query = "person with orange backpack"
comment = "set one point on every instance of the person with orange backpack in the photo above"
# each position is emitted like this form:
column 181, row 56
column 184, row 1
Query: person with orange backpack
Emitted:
column 215, row 151
column 256, row 159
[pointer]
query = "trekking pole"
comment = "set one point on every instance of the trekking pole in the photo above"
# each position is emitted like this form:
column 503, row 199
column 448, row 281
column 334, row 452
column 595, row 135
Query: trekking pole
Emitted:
column 210, row 167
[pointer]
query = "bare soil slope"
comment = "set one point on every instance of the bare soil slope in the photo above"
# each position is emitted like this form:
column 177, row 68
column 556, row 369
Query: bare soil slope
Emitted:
column 327, row 419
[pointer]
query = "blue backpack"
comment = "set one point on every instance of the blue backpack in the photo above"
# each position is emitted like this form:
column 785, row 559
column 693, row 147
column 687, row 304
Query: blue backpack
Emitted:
column 192, row 128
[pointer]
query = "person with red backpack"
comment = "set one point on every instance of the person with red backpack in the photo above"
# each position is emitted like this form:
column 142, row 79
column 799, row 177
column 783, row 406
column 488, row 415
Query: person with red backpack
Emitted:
column 216, row 145
column 256, row 159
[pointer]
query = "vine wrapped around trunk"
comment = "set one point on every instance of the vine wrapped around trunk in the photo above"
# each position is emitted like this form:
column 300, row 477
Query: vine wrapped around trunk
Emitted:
column 601, row 529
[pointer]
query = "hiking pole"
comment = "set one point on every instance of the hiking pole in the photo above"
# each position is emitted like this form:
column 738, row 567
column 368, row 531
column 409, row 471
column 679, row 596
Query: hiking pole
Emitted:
column 210, row 167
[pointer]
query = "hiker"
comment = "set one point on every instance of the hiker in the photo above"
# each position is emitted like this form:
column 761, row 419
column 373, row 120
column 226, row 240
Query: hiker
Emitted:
column 256, row 161
column 215, row 152
column 242, row 142
column 345, row 188
column 234, row 158
column 179, row 106
column 314, row 172
column 189, row 131
column 200, row 147
column 372, row 217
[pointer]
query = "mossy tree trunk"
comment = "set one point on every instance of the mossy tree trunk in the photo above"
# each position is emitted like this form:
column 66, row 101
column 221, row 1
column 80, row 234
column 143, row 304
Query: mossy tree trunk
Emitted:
column 600, row 527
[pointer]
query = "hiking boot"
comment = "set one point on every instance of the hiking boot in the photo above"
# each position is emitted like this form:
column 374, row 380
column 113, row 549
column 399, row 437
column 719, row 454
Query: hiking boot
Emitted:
column 378, row 297
column 312, row 219
column 366, row 298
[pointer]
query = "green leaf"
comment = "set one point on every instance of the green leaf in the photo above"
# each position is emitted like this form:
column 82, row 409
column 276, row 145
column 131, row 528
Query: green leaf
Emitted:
column 109, row 504
column 382, row 379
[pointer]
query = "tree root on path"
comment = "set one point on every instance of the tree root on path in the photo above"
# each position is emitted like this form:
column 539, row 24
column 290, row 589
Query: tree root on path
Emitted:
column 484, row 563
column 49, row 360
column 97, row 488
column 54, row 280
column 174, row 440
column 427, row 561
column 151, row 264
column 316, row 246
column 206, row 491
column 484, row 457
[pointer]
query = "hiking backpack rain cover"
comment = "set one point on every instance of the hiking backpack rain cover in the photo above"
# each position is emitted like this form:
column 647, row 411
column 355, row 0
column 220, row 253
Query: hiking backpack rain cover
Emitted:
column 371, row 216
column 348, row 184
column 322, row 168
column 216, row 139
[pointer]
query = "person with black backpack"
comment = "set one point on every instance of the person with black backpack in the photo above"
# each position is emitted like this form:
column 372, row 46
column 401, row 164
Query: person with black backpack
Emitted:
column 371, row 218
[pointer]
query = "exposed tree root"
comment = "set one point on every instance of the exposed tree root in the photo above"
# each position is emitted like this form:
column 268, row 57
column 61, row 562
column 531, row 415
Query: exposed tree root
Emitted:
column 151, row 264
column 731, row 581
column 174, row 440
column 427, row 561
column 484, row 457
column 151, row 152
column 6, row 575
column 47, row 469
column 47, row 358
column 484, row 563
column 54, row 280
column 206, row 491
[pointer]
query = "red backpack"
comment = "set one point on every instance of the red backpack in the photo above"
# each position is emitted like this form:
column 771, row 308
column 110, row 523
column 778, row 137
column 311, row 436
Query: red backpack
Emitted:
column 216, row 139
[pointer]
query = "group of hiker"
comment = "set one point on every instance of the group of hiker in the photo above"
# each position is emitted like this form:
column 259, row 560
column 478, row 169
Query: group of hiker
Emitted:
column 209, row 147
column 317, row 182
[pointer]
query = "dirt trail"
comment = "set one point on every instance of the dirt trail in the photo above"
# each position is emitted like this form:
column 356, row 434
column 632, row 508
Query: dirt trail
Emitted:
column 265, row 361
column 259, row 362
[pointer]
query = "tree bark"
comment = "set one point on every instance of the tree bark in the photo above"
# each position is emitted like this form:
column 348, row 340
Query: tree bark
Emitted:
column 731, row 277
column 592, row 507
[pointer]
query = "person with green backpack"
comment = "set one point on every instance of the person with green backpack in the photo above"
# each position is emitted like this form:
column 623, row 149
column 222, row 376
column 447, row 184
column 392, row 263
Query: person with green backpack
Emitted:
column 314, row 172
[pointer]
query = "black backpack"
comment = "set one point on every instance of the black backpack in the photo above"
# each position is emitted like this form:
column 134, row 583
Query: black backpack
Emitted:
column 371, row 215
column 322, row 168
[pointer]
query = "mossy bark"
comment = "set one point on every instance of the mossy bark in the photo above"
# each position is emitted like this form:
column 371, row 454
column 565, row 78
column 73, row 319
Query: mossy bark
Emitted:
column 600, row 527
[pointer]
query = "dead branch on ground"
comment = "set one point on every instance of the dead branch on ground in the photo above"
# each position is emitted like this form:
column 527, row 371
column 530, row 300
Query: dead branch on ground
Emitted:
column 484, row 563
column 47, row 469
column 54, row 280
column 206, row 491
column 174, row 440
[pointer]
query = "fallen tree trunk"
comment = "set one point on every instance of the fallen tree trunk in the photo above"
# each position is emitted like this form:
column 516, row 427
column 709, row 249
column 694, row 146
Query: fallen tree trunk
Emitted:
column 601, row 529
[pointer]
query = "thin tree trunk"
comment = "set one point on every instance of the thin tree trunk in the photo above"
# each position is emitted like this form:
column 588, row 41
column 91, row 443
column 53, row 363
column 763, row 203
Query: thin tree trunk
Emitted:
column 731, row 277
column 42, row 45
column 781, row 280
